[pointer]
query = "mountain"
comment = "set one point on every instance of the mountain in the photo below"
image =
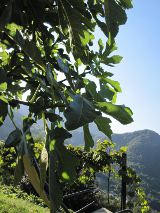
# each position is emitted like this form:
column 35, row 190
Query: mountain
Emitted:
column 7, row 127
column 143, row 150
column 144, row 156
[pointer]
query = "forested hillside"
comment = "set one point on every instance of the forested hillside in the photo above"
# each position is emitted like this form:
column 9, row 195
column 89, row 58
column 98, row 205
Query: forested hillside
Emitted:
column 143, row 155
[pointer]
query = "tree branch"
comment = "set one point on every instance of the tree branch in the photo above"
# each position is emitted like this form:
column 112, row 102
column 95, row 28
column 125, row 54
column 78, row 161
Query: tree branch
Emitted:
column 15, row 102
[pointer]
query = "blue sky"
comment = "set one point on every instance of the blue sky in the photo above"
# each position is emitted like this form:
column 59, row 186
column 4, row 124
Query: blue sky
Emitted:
column 139, row 72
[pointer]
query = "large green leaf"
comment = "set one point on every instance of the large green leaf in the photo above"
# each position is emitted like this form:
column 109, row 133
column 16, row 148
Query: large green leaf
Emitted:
column 14, row 138
column 116, row 59
column 55, row 190
column 3, row 87
column 3, row 111
column 103, row 125
column 28, row 46
column 19, row 170
column 126, row 3
column 107, row 92
column 62, row 167
column 29, row 168
column 50, row 77
column 67, row 161
column 114, row 84
column 91, row 88
column 34, row 178
column 79, row 113
column 89, row 142
column 119, row 112
column 77, row 20
column 115, row 15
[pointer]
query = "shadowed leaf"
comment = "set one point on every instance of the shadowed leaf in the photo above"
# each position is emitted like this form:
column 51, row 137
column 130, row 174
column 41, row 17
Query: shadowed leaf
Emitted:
column 79, row 113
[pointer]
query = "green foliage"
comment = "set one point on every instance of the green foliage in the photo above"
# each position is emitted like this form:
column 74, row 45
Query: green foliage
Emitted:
column 16, row 192
column 106, row 159
column 41, row 41
column 15, row 201
column 89, row 142
column 79, row 113
column 14, row 138
column 121, row 113
column 7, row 164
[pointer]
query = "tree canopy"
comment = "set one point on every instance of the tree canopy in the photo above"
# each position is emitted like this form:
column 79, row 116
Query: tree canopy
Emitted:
column 49, row 49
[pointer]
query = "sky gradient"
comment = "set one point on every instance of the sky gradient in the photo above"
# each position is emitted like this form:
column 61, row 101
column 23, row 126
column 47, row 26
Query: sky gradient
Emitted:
column 138, row 42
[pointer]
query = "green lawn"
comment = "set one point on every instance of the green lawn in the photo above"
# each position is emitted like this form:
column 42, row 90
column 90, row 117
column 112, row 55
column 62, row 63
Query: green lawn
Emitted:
column 17, row 205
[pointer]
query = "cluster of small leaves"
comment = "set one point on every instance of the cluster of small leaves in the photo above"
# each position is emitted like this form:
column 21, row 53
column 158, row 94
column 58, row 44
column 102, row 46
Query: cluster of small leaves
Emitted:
column 46, row 50
column 105, row 159
column 8, row 158
column 7, row 164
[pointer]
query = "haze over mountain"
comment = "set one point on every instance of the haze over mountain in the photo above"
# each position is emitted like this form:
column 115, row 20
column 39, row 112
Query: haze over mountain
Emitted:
column 7, row 127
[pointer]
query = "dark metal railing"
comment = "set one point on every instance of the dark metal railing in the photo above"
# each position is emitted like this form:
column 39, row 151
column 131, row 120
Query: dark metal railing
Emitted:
column 77, row 193
column 123, row 190
column 124, row 184
column 86, row 207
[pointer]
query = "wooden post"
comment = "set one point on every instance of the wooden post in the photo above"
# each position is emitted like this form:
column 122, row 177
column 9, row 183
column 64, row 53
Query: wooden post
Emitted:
column 124, row 187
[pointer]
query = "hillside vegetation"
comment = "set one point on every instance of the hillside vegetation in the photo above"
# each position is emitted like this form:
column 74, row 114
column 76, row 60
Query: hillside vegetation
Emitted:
column 17, row 205
column 142, row 154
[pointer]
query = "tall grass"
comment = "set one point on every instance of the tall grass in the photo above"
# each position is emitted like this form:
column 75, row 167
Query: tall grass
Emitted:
column 17, row 205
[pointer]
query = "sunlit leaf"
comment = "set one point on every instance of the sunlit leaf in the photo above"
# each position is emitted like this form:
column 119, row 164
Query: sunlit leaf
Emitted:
column 89, row 142
column 62, row 165
column 119, row 112
column 67, row 161
column 114, row 84
column 103, row 125
column 19, row 171
column 3, row 86
column 116, row 59
column 34, row 178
